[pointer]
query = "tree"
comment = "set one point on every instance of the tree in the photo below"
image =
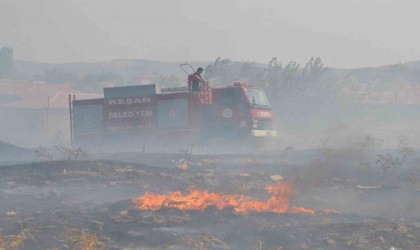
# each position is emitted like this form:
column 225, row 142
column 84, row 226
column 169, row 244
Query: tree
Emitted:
column 289, row 82
column 221, row 71
column 314, row 69
column 6, row 61
column 251, row 72
column 169, row 80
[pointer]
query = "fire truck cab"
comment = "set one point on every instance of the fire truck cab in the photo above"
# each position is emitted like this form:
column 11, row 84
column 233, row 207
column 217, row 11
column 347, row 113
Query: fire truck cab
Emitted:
column 243, row 110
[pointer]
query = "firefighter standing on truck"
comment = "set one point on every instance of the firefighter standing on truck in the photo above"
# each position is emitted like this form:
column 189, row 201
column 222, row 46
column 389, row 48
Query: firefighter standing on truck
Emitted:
column 195, row 79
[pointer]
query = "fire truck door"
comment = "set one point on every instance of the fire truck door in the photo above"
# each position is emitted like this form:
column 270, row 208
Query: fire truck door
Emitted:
column 231, row 106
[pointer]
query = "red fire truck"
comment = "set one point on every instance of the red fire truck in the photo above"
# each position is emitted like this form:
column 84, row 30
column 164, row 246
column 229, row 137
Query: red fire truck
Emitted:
column 146, row 114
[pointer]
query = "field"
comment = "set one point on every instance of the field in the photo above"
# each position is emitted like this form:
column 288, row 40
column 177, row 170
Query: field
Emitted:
column 331, row 199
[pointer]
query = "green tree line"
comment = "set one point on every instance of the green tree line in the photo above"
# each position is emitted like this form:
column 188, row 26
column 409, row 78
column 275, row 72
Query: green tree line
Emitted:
column 281, row 81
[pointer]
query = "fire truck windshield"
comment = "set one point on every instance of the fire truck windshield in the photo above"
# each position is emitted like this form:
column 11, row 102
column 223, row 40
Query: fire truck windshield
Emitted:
column 257, row 98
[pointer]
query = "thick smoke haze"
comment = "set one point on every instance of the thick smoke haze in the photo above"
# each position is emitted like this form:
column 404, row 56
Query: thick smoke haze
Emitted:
column 343, row 33
column 295, row 126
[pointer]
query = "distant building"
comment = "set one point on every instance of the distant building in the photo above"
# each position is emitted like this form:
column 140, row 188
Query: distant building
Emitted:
column 36, row 113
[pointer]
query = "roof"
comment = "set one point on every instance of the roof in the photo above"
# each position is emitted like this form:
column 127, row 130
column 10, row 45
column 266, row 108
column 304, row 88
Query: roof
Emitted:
column 61, row 100
column 36, row 95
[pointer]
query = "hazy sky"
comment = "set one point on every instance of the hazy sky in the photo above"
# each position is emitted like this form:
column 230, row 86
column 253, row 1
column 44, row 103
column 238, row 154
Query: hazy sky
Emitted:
column 344, row 33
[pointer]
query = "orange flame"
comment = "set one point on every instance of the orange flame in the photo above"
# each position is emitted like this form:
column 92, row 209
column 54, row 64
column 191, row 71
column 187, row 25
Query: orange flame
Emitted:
column 200, row 200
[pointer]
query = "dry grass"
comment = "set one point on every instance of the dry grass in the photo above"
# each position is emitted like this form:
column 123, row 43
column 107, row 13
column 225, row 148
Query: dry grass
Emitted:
column 203, row 242
column 259, row 245
column 68, row 153
column 80, row 239
column 42, row 154
column 14, row 242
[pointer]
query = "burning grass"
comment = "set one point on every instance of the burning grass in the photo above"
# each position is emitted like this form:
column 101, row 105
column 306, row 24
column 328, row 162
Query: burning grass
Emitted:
column 200, row 200
column 87, row 205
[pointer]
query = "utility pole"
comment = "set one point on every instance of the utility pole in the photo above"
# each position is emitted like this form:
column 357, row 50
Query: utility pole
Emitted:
column 46, row 122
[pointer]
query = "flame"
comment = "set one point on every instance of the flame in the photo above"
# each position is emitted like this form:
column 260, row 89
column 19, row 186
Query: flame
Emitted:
column 200, row 200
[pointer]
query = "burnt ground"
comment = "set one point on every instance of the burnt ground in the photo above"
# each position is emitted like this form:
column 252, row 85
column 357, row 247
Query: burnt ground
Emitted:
column 87, row 204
